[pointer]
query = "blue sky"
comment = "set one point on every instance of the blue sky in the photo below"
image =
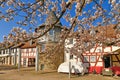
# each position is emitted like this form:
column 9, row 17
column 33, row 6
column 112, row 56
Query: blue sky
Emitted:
column 5, row 27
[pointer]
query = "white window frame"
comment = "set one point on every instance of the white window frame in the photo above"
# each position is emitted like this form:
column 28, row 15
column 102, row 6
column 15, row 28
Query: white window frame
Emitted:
column 92, row 58
column 42, row 47
column 86, row 58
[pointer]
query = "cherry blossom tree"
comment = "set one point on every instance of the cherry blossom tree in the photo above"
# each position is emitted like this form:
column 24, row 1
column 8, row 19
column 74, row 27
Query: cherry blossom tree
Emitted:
column 16, row 35
column 87, row 15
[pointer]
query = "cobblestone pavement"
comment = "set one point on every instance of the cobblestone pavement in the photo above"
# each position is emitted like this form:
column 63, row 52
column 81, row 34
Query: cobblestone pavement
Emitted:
column 30, row 74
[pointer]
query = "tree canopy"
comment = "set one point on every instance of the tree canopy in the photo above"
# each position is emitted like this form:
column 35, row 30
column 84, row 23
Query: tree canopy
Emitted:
column 80, row 16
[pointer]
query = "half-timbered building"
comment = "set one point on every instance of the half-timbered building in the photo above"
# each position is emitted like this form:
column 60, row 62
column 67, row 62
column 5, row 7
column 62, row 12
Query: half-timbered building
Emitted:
column 5, row 54
column 15, row 49
column 28, row 53
column 97, row 58
column 100, row 57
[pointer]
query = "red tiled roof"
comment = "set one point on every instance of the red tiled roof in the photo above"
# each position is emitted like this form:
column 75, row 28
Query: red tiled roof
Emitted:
column 18, row 45
column 109, row 31
column 27, row 45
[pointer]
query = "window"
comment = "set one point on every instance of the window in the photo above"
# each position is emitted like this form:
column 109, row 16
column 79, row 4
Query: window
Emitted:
column 99, row 50
column 67, row 50
column 51, row 32
column 71, row 41
column 12, row 50
column 31, row 49
column 42, row 47
column 24, row 61
column 6, row 51
column 27, row 50
column 86, row 58
column 3, row 51
column 71, row 56
column 31, row 61
column 92, row 58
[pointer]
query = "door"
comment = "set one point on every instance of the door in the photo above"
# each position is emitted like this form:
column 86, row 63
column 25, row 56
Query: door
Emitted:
column 24, row 62
column 107, row 61
column 31, row 62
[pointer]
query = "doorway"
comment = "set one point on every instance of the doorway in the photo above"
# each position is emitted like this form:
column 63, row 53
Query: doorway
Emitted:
column 107, row 61
column 31, row 62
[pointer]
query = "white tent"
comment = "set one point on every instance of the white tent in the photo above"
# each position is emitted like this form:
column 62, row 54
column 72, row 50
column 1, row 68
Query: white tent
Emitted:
column 75, row 67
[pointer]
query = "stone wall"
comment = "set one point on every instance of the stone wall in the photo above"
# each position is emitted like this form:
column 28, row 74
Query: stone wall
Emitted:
column 52, row 57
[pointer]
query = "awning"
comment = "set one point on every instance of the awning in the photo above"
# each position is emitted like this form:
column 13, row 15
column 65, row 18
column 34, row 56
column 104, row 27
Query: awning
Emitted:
column 117, row 51
column 114, row 52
